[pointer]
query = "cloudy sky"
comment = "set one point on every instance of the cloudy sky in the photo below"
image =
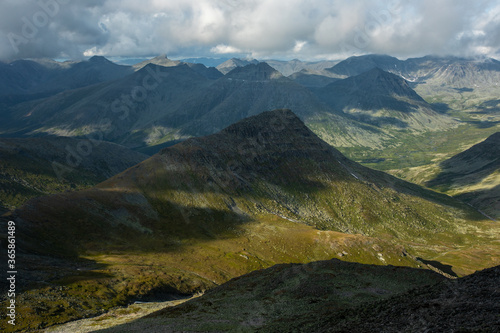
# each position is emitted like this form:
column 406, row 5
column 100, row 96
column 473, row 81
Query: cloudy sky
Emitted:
column 281, row 29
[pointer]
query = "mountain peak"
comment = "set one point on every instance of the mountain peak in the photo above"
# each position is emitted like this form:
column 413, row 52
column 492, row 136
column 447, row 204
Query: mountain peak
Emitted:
column 161, row 60
column 181, row 70
column 233, row 63
column 379, row 82
column 99, row 60
column 279, row 120
column 263, row 139
column 378, row 72
column 161, row 57
column 255, row 72
column 377, row 89
column 359, row 64
column 242, row 62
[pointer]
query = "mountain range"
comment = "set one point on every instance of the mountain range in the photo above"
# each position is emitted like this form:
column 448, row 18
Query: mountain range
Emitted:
column 39, row 77
column 164, row 61
column 286, row 68
column 363, row 115
column 173, row 110
column 381, row 98
column 451, row 71
column 233, row 63
column 456, row 83
column 193, row 100
column 231, row 190
column 447, row 73
column 263, row 191
column 115, row 108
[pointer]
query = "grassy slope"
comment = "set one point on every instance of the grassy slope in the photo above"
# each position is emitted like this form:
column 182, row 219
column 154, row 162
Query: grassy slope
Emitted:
column 181, row 222
column 474, row 176
column 114, row 277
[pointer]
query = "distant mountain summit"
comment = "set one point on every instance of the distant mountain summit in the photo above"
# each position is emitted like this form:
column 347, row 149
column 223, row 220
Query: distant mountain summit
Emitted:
column 359, row 64
column 378, row 81
column 42, row 77
column 161, row 60
column 374, row 89
column 99, row 60
column 254, row 72
column 383, row 99
column 233, row 63
column 432, row 73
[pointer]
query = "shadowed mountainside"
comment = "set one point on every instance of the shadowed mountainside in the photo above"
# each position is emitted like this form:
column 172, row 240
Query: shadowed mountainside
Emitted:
column 334, row 296
column 383, row 99
column 181, row 103
column 32, row 167
column 31, row 77
column 469, row 304
column 267, row 164
column 110, row 108
column 474, row 176
column 278, row 295
column 263, row 191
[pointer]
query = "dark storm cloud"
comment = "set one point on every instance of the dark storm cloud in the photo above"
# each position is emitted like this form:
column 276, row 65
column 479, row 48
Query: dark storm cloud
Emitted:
column 260, row 28
column 49, row 28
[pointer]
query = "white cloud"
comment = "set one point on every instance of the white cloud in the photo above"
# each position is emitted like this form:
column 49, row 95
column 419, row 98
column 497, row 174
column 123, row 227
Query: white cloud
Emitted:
column 299, row 45
column 90, row 52
column 298, row 28
column 225, row 49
